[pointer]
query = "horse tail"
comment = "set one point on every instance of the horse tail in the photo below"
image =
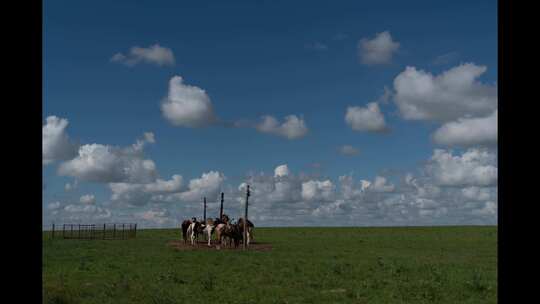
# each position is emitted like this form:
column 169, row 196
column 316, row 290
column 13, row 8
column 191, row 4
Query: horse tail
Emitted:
column 184, row 230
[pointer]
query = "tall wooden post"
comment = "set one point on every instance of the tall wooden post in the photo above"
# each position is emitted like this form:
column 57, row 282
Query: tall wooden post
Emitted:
column 245, row 220
column 221, row 208
column 53, row 230
column 204, row 214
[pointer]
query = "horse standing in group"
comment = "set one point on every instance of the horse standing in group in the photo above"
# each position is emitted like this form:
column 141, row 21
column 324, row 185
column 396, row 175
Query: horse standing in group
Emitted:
column 249, row 229
column 185, row 225
column 209, row 228
column 191, row 229
column 227, row 233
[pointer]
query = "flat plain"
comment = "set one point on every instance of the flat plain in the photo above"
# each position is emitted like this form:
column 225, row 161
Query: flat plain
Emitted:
column 299, row 265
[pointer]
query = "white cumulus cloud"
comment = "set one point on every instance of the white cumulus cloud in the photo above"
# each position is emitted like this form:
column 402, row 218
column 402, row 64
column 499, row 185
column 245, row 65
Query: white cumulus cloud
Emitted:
column 476, row 193
column 154, row 54
column 468, row 132
column 475, row 167
column 71, row 186
column 318, row 190
column 56, row 143
column 108, row 164
column 454, row 94
column 160, row 185
column 86, row 212
column 348, row 150
column 54, row 205
column 367, row 118
column 380, row 185
column 292, row 128
column 88, row 199
column 155, row 216
column 378, row 50
column 187, row 106
column 209, row 185
column 142, row 194
column 490, row 208
column 281, row 170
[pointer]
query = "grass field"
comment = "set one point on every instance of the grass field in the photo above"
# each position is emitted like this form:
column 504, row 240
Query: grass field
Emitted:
column 305, row 265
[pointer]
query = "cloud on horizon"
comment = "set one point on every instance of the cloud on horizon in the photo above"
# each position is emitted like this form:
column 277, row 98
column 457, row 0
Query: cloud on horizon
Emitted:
column 109, row 164
column 447, row 189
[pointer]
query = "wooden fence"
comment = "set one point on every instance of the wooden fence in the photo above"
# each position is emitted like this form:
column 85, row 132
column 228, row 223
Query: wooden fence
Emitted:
column 120, row 231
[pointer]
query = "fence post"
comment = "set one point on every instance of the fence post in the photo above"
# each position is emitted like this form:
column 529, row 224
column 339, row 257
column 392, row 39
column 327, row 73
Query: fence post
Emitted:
column 71, row 232
column 53, row 230
column 64, row 231
column 104, row 227
column 114, row 231
column 245, row 220
column 221, row 208
column 123, row 237
column 135, row 234
column 204, row 214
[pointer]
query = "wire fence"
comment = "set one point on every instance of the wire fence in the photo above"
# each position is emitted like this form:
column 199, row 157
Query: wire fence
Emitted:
column 115, row 231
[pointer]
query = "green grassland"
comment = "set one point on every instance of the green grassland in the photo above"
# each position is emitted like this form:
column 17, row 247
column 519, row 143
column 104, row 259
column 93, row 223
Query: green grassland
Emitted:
column 305, row 265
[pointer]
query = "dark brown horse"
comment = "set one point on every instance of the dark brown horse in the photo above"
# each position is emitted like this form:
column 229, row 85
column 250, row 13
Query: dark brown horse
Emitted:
column 249, row 229
column 232, row 234
column 227, row 232
column 185, row 225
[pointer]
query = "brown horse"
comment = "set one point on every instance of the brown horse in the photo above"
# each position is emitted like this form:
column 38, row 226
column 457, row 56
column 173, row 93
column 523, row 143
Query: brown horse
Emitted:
column 185, row 226
column 249, row 229
column 233, row 234
column 227, row 234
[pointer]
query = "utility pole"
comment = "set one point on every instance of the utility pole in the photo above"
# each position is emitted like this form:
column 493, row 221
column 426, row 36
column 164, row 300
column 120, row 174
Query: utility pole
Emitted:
column 204, row 214
column 245, row 220
column 221, row 209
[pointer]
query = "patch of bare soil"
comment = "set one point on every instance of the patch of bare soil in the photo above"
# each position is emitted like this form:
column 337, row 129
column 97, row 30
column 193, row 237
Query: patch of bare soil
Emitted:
column 179, row 245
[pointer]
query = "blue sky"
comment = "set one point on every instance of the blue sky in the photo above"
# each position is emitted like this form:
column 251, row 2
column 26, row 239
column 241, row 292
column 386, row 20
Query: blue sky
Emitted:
column 253, row 58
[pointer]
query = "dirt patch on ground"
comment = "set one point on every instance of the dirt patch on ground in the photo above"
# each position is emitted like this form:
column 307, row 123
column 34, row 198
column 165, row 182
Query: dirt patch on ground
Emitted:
column 203, row 245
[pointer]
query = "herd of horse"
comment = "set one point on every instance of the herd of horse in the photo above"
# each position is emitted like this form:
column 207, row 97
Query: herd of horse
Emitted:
column 227, row 232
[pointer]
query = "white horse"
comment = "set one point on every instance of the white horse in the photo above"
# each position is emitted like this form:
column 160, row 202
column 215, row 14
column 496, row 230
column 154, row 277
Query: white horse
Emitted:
column 192, row 231
column 208, row 228
column 219, row 233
